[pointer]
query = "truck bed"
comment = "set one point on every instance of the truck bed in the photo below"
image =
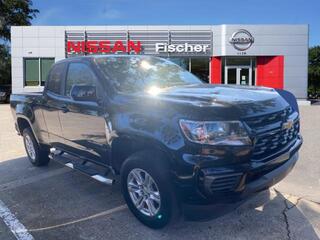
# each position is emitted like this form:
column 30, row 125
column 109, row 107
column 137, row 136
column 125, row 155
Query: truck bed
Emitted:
column 24, row 97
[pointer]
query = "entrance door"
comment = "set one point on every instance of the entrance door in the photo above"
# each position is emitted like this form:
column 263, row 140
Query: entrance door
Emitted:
column 231, row 76
column 244, row 76
column 241, row 75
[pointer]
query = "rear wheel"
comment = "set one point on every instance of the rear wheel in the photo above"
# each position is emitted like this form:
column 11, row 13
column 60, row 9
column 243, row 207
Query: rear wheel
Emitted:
column 37, row 154
column 148, row 190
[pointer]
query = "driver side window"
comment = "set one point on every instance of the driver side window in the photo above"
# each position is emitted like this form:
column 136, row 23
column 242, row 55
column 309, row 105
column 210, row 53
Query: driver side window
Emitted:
column 79, row 74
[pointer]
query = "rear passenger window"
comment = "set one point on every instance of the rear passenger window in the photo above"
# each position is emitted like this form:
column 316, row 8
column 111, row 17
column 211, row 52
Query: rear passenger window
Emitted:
column 79, row 74
column 55, row 78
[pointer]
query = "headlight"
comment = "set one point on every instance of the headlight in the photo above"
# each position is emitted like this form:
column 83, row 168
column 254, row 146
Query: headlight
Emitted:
column 216, row 132
column 2, row 94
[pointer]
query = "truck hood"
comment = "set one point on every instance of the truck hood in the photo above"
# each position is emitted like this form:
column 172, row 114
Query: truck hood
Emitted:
column 225, row 101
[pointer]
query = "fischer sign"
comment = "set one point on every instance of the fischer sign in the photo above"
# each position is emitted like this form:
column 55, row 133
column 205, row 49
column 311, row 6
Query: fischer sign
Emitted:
column 181, row 48
column 241, row 40
column 103, row 46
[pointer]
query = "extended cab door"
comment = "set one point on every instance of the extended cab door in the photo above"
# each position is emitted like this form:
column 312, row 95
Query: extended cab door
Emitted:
column 83, row 122
column 53, row 104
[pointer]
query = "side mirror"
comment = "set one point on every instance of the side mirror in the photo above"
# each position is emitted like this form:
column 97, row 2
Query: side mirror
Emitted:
column 83, row 93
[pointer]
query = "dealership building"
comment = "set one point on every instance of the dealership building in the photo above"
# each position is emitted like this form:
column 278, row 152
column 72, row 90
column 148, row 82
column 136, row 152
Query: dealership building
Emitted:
column 261, row 55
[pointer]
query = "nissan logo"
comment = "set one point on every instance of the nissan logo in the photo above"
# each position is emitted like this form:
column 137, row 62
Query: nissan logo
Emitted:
column 241, row 40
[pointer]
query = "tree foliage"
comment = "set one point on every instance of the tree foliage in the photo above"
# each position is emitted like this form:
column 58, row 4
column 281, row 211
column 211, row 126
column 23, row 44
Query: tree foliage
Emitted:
column 12, row 13
column 5, row 64
column 314, row 69
column 15, row 13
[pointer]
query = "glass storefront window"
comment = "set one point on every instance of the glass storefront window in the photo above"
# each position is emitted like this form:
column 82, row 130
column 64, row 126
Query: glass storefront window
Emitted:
column 200, row 68
column 197, row 66
column 182, row 62
column 36, row 70
column 254, row 72
column 31, row 72
column 45, row 65
column 238, row 61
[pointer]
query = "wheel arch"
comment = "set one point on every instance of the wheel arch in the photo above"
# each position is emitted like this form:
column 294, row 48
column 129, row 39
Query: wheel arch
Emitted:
column 23, row 123
column 125, row 146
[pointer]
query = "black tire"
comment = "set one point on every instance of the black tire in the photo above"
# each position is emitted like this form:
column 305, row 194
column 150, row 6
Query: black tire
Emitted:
column 41, row 154
column 154, row 164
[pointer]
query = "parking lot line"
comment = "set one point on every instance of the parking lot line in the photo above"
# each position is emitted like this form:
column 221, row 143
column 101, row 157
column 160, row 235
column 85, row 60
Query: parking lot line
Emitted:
column 24, row 181
column 104, row 213
column 16, row 227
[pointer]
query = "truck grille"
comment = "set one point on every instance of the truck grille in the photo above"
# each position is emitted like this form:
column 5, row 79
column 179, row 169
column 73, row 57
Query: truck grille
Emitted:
column 271, row 137
column 261, row 121
column 280, row 139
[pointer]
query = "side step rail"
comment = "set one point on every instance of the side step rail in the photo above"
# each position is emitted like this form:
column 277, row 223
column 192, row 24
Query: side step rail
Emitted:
column 76, row 164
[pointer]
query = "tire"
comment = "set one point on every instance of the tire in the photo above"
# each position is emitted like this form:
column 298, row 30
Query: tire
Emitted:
column 154, row 165
column 37, row 154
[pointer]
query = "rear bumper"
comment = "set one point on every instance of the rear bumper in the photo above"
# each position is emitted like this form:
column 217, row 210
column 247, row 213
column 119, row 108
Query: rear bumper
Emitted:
column 248, row 179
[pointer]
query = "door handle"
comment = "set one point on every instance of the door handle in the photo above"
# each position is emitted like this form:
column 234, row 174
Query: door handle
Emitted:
column 64, row 109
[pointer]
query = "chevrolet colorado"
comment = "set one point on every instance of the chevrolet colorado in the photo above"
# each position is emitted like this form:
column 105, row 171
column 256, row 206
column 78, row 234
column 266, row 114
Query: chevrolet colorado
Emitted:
column 173, row 139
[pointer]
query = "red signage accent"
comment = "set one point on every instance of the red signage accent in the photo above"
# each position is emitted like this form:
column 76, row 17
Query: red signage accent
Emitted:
column 103, row 47
column 215, row 71
column 270, row 71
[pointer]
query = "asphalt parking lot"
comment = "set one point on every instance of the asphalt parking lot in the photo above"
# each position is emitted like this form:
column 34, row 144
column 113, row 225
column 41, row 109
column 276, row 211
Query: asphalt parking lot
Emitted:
column 55, row 202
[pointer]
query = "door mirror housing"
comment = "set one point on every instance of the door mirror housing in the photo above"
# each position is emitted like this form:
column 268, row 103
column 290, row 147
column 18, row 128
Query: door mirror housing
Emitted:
column 84, row 93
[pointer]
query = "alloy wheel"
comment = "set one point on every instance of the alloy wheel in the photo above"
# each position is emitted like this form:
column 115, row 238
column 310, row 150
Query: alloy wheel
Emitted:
column 144, row 192
column 30, row 147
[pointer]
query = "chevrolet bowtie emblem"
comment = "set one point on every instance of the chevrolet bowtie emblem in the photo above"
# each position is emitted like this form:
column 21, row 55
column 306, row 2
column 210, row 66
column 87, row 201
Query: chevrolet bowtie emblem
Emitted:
column 288, row 124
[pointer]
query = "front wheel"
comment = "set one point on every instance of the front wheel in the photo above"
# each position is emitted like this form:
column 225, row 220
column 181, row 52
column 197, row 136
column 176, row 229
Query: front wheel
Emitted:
column 148, row 191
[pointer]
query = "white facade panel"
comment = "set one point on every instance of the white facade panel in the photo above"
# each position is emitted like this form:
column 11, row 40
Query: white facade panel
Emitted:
column 59, row 42
column 45, row 32
column 46, row 52
column 17, row 42
column 59, row 31
column 296, row 71
column 268, row 39
column 30, row 42
column 30, row 52
column 278, row 29
column 30, row 32
column 16, row 51
column 295, row 61
column 46, row 42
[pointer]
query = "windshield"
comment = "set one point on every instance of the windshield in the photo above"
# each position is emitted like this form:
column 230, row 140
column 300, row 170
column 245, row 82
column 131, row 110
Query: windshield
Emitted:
column 141, row 73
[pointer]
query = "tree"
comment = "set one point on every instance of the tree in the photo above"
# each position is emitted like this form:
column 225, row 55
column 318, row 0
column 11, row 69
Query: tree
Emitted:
column 15, row 13
column 12, row 13
column 5, row 64
column 314, row 70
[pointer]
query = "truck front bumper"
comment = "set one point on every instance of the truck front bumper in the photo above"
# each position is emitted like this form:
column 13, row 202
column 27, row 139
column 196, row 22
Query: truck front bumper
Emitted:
column 206, row 206
column 230, row 186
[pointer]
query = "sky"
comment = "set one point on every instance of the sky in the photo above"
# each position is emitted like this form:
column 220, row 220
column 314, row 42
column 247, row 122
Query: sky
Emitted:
column 170, row 12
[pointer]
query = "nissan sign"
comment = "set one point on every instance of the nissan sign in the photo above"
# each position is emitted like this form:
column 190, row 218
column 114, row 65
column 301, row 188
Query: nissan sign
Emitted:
column 241, row 40
column 104, row 46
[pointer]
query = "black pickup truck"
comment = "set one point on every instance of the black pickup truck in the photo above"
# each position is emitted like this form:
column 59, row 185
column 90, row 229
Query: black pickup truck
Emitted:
column 173, row 139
